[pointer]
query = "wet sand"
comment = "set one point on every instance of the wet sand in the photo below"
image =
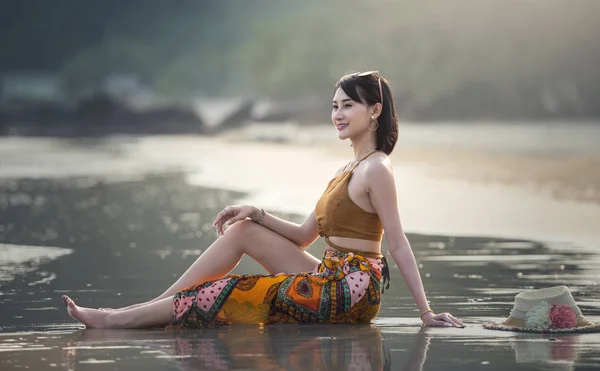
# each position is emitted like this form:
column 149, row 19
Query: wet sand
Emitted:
column 113, row 222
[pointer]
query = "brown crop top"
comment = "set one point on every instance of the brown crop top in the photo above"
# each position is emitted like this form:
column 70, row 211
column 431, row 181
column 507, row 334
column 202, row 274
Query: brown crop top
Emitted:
column 338, row 216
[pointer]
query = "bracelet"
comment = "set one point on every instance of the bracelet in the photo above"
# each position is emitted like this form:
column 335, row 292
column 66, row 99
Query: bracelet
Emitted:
column 261, row 217
column 424, row 312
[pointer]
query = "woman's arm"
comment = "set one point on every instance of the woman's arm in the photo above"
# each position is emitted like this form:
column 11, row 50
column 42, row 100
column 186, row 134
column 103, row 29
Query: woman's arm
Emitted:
column 382, row 193
column 302, row 235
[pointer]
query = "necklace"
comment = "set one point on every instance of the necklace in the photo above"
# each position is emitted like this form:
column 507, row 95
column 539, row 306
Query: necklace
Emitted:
column 364, row 154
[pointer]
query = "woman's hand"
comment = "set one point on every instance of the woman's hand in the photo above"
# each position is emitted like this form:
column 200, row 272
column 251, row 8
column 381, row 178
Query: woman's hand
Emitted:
column 441, row 320
column 234, row 213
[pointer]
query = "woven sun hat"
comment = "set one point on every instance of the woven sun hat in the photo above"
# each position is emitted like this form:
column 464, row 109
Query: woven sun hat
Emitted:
column 549, row 310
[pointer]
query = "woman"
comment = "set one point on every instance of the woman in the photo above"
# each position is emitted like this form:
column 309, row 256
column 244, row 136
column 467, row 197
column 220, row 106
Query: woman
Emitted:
column 358, row 205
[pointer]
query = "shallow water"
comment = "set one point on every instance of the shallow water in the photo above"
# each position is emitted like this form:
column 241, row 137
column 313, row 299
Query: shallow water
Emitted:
column 112, row 241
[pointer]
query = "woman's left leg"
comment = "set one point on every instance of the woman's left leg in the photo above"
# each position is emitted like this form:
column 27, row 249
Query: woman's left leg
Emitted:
column 273, row 251
column 158, row 313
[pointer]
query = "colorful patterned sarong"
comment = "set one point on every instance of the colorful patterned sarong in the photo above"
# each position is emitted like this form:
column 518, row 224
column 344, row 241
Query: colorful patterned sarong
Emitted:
column 344, row 288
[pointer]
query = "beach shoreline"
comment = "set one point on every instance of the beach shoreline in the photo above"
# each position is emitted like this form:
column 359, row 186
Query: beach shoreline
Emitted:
column 530, row 181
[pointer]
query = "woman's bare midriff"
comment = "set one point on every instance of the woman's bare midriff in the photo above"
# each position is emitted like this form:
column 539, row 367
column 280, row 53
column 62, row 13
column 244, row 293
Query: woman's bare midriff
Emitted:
column 355, row 244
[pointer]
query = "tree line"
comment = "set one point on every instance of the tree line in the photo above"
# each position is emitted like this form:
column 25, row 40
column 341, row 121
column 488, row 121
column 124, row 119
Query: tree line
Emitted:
column 505, row 59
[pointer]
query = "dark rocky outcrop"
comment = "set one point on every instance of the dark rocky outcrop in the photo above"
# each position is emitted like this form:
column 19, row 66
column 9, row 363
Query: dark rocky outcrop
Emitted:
column 100, row 114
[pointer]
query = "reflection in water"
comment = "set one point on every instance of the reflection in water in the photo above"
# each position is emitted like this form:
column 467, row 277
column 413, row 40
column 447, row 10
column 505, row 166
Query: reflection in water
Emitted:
column 289, row 347
column 418, row 355
column 297, row 347
column 557, row 353
column 334, row 348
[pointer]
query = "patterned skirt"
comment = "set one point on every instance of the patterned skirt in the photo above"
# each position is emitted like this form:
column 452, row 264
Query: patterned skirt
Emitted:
column 344, row 288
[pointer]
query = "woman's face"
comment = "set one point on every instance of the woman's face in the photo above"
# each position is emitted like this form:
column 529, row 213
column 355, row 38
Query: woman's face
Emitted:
column 350, row 118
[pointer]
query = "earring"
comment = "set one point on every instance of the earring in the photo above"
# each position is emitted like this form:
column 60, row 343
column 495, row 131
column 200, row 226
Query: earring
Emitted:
column 376, row 125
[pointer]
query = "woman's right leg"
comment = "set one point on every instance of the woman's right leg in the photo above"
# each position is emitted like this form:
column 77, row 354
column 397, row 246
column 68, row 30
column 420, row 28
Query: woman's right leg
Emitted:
column 275, row 253
column 158, row 313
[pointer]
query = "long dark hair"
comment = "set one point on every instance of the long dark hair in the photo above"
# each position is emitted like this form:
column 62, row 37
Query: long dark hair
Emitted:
column 364, row 88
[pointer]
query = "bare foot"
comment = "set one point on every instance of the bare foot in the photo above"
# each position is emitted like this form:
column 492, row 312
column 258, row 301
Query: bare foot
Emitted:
column 91, row 318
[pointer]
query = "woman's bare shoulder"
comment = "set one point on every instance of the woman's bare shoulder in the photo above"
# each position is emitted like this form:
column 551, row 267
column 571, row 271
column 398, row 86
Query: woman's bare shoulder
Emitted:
column 379, row 166
column 379, row 159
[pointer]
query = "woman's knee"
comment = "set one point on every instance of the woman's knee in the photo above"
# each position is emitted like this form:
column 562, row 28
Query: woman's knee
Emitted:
column 242, row 231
